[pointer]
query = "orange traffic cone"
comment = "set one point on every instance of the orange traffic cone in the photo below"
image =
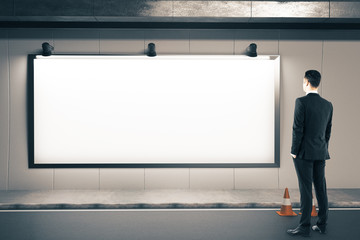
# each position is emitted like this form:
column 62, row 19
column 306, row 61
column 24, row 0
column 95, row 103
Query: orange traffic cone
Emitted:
column 313, row 211
column 286, row 209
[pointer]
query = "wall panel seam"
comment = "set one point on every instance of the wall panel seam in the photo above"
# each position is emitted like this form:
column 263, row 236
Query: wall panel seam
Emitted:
column 144, row 38
column 8, row 112
column 144, row 178
column 99, row 182
column 278, row 178
column 251, row 10
column 234, row 187
column 234, row 36
column 189, row 178
column 322, row 62
column 278, row 47
column 99, row 37
column 53, row 172
column 93, row 9
column 99, row 52
column 189, row 41
column 13, row 7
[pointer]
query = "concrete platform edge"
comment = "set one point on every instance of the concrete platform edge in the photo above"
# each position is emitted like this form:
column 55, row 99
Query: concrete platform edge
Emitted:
column 162, row 206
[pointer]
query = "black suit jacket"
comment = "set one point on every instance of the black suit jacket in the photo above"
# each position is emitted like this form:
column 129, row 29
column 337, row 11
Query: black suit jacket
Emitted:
column 312, row 127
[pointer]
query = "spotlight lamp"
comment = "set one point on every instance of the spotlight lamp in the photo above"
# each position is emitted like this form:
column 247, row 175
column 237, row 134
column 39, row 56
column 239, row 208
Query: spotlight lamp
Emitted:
column 47, row 49
column 151, row 50
column 251, row 50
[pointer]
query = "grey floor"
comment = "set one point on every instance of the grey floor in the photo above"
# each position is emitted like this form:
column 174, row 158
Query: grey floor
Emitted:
column 181, row 224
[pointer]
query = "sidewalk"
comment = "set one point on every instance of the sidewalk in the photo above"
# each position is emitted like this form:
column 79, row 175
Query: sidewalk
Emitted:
column 155, row 199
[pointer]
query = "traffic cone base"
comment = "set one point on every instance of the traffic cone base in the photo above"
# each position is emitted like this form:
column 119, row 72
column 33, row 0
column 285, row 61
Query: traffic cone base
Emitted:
column 313, row 211
column 286, row 214
column 286, row 209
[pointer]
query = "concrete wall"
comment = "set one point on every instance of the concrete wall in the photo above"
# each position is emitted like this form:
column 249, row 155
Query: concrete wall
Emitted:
column 333, row 52
column 180, row 10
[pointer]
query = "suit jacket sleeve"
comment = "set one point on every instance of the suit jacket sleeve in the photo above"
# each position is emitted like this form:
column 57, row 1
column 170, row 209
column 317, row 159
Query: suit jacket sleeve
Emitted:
column 298, row 127
column 328, row 127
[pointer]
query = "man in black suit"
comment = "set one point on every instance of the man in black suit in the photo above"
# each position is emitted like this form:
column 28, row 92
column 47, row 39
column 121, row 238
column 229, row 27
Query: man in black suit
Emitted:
column 310, row 141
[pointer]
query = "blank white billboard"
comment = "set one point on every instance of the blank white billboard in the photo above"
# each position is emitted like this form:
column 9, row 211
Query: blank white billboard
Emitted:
column 154, row 110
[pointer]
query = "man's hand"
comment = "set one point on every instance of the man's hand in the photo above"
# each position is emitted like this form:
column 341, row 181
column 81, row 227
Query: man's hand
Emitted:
column 294, row 156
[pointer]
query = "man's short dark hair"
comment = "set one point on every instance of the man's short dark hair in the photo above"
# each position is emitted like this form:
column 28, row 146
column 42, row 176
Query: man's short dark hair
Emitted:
column 314, row 77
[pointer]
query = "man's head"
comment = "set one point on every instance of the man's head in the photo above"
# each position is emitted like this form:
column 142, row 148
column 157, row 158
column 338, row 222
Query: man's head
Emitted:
column 312, row 80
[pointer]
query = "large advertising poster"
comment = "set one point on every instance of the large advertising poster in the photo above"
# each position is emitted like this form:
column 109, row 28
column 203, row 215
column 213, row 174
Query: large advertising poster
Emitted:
column 164, row 111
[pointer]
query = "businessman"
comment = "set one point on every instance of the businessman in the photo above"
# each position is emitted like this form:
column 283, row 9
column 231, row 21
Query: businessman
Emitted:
column 309, row 150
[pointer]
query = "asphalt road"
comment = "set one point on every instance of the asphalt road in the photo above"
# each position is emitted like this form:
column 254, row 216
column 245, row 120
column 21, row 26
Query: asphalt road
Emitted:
column 259, row 224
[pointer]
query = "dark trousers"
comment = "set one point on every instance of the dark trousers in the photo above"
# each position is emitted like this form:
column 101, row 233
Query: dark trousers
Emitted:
column 309, row 172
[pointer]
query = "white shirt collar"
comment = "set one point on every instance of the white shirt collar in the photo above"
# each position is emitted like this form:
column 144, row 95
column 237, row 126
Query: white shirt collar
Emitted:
column 312, row 91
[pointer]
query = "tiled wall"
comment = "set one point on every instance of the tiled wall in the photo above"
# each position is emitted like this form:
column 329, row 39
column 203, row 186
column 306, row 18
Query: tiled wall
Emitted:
column 335, row 53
